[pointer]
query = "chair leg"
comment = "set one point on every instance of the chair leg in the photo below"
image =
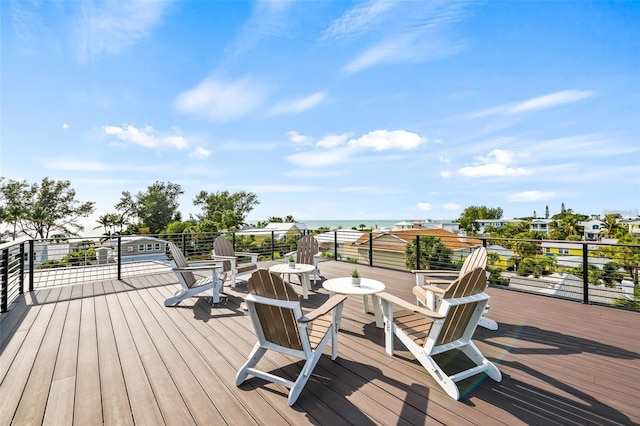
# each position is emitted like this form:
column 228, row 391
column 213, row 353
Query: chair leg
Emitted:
column 255, row 355
column 474, row 354
column 438, row 374
column 179, row 296
column 302, row 379
column 488, row 323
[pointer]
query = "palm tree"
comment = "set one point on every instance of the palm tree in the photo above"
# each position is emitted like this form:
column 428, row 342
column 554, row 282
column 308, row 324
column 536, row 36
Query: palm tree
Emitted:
column 610, row 227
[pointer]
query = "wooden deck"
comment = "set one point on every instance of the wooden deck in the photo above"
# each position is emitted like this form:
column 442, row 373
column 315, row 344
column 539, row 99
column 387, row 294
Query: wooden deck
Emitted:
column 109, row 352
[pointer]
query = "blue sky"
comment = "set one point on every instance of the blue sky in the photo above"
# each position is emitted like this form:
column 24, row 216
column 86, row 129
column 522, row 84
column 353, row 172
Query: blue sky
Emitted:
column 329, row 110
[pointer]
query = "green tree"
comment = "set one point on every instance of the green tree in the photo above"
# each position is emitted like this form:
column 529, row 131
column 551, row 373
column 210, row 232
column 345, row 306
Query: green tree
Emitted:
column 155, row 208
column 472, row 213
column 228, row 210
column 611, row 228
column 48, row 206
column 12, row 205
column 434, row 254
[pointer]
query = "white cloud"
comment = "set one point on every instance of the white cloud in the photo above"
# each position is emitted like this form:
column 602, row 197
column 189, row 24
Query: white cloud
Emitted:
column 200, row 152
column 424, row 206
column 331, row 141
column 146, row 137
column 84, row 165
column 112, row 27
column 444, row 159
column 445, row 174
column 413, row 32
column 297, row 106
column 452, row 206
column 317, row 158
column 497, row 163
column 221, row 101
column 64, row 126
column 532, row 196
column 358, row 20
column 536, row 104
column 493, row 169
column 381, row 140
column 297, row 138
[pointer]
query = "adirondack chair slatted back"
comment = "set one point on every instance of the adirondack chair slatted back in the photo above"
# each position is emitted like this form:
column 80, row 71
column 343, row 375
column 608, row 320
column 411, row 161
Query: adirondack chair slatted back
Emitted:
column 458, row 316
column 307, row 248
column 477, row 259
column 181, row 262
column 278, row 324
column 223, row 247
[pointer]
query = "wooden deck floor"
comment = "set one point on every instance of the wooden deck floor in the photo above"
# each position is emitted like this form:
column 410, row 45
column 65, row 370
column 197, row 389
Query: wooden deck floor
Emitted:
column 109, row 352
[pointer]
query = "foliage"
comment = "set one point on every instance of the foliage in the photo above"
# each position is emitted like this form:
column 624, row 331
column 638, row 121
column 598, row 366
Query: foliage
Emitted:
column 472, row 213
column 155, row 208
column 626, row 254
column 40, row 208
column 434, row 254
column 594, row 274
column 537, row 266
column 630, row 304
column 225, row 209
column 355, row 273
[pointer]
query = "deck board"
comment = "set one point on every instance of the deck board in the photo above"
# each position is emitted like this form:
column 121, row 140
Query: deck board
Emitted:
column 109, row 352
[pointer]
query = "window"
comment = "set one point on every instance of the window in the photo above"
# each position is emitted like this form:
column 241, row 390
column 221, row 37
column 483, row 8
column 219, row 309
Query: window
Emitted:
column 156, row 246
column 129, row 249
column 563, row 251
column 149, row 247
column 596, row 226
column 547, row 249
column 140, row 247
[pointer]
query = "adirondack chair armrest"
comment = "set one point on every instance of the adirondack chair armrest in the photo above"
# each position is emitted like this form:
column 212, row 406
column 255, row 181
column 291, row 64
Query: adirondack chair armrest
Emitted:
column 293, row 253
column 253, row 256
column 394, row 300
column 218, row 256
column 325, row 308
column 437, row 272
column 197, row 268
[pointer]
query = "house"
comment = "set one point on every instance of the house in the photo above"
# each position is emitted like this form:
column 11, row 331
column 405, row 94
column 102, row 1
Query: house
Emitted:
column 390, row 247
column 344, row 240
column 634, row 227
column 136, row 248
column 447, row 225
column 591, row 229
column 504, row 256
column 279, row 230
column 540, row 225
column 556, row 248
column 482, row 224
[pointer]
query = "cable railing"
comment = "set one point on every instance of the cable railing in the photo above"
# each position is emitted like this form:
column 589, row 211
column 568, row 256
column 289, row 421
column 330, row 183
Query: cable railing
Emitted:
column 585, row 271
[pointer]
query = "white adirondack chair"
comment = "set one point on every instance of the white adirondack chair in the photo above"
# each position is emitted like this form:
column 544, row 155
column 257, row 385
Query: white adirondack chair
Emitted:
column 280, row 325
column 189, row 283
column 223, row 250
column 431, row 284
column 426, row 333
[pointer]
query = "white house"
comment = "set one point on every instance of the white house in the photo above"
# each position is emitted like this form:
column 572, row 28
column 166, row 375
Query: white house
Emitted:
column 540, row 225
column 591, row 229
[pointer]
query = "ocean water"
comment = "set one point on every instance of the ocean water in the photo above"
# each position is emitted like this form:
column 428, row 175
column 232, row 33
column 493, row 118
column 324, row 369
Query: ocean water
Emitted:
column 348, row 224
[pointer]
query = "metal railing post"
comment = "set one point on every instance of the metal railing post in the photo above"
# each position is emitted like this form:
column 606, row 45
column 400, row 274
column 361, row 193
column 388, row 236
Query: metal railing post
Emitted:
column 273, row 245
column 184, row 245
column 21, row 275
column 585, row 274
column 4, row 297
column 119, row 262
column 370, row 248
column 31, row 263
column 335, row 245
column 417, row 251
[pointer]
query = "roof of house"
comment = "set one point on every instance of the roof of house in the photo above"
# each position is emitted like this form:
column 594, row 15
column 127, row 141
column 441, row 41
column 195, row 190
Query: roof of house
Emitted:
column 451, row 240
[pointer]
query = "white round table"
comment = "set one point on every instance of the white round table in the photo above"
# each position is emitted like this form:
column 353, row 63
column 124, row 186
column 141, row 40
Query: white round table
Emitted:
column 302, row 270
column 368, row 287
